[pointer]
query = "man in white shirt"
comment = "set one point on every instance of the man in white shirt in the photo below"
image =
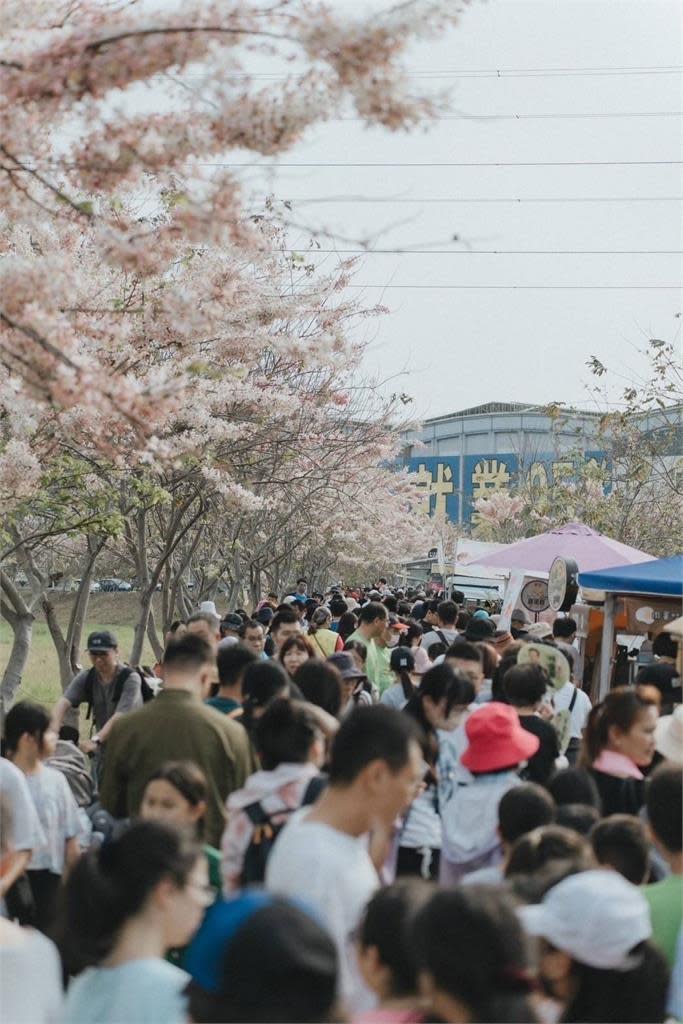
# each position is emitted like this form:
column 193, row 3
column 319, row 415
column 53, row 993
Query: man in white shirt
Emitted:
column 323, row 854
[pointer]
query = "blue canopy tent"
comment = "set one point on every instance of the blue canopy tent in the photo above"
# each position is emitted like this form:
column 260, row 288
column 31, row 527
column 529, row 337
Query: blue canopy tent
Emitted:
column 662, row 577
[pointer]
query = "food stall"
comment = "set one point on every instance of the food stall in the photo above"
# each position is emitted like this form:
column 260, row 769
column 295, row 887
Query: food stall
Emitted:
column 645, row 596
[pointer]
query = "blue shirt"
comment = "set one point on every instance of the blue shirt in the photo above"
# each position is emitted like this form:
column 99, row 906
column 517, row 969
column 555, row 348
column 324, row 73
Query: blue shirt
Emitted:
column 138, row 992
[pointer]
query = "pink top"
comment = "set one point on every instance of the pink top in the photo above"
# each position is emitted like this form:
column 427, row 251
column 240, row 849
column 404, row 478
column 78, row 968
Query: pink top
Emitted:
column 611, row 762
column 389, row 1016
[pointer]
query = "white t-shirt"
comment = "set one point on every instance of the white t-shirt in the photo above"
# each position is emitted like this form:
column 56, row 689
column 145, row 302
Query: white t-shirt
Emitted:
column 58, row 814
column 580, row 711
column 27, row 832
column 331, row 871
column 30, row 980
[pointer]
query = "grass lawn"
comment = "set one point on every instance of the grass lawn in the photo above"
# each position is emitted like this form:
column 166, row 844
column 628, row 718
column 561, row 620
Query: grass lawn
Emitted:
column 40, row 681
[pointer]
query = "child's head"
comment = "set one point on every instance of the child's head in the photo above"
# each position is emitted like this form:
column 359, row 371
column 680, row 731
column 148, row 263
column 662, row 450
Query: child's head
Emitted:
column 176, row 795
column 664, row 799
column 620, row 842
column 522, row 809
column 28, row 732
column 542, row 846
column 386, row 955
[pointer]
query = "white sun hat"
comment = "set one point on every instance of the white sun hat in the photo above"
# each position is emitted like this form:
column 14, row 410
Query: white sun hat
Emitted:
column 597, row 917
column 669, row 736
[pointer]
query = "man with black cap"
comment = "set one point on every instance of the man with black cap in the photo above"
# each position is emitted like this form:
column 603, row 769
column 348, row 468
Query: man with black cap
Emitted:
column 109, row 689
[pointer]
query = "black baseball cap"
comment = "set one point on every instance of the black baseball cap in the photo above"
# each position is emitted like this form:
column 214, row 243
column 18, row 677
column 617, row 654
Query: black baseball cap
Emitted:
column 231, row 621
column 102, row 641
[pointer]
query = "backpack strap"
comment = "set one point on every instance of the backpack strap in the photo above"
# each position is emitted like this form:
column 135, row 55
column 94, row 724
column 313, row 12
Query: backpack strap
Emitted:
column 89, row 688
column 120, row 681
column 572, row 702
column 441, row 637
column 313, row 790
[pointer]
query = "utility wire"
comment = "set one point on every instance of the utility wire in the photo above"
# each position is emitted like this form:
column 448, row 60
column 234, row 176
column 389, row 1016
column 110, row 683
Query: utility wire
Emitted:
column 486, row 252
column 525, row 287
column 668, row 69
column 476, row 163
column 489, row 199
column 539, row 117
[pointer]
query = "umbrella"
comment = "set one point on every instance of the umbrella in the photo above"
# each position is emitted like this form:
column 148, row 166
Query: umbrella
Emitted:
column 589, row 549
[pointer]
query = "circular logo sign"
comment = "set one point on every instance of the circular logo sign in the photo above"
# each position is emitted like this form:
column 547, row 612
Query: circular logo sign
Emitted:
column 562, row 584
column 534, row 596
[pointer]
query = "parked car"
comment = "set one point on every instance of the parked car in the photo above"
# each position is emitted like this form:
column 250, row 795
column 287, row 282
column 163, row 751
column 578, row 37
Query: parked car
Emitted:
column 111, row 583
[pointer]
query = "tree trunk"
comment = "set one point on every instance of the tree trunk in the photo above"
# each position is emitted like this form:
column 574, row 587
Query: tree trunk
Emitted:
column 152, row 634
column 62, row 646
column 22, row 627
column 146, row 598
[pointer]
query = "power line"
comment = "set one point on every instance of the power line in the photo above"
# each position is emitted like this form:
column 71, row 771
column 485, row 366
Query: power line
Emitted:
column 477, row 163
column 489, row 199
column 525, row 287
column 540, row 117
column 486, row 252
column 589, row 72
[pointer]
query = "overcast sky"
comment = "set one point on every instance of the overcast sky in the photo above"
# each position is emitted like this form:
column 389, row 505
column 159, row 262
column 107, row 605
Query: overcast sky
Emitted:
column 459, row 346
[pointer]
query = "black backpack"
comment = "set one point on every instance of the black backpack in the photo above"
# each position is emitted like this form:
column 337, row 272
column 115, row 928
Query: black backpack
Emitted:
column 266, row 832
column 118, row 684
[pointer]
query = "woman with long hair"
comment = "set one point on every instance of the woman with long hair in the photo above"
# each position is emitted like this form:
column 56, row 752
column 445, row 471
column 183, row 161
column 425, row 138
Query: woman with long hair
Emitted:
column 125, row 905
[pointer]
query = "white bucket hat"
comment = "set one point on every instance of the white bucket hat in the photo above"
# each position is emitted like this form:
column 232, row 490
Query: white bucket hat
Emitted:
column 669, row 736
column 597, row 917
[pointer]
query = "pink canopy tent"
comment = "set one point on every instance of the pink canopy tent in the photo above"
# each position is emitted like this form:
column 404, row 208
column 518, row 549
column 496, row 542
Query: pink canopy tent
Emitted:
column 589, row 549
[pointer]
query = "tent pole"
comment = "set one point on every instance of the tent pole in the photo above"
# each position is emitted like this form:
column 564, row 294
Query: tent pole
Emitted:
column 606, row 646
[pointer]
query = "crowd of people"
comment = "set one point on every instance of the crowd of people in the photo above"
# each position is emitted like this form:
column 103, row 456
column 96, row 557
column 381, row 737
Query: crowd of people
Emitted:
column 371, row 806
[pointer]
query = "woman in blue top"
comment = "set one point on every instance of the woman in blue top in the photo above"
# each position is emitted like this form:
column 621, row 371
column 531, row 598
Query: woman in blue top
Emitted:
column 125, row 905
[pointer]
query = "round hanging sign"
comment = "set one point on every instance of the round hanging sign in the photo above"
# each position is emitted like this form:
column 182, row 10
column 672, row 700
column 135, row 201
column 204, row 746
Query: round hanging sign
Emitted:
column 563, row 584
column 534, row 596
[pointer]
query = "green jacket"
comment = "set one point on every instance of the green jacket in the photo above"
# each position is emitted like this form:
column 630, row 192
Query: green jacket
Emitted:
column 175, row 726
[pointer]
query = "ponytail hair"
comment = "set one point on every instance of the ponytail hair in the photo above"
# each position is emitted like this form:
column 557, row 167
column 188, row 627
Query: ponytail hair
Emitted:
column 320, row 619
column 111, row 884
column 621, row 707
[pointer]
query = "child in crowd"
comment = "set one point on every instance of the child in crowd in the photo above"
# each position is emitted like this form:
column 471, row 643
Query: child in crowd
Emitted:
column 470, row 792
column 29, row 741
column 620, row 843
column 533, row 852
column 521, row 810
column 386, row 956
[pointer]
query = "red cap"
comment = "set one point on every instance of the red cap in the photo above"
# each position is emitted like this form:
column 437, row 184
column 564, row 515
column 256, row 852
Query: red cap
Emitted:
column 497, row 739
